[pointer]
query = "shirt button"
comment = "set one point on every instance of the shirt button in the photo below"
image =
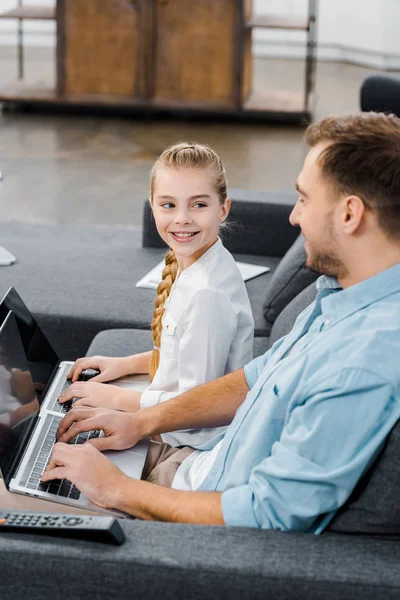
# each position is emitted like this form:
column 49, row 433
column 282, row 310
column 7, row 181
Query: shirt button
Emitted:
column 327, row 322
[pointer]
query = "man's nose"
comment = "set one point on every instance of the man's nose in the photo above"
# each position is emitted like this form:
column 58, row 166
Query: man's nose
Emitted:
column 294, row 215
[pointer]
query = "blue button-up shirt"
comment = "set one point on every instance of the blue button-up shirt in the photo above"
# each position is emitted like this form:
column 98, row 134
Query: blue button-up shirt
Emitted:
column 315, row 417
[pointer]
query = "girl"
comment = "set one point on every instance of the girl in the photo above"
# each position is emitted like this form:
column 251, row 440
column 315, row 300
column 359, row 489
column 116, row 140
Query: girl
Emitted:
column 202, row 324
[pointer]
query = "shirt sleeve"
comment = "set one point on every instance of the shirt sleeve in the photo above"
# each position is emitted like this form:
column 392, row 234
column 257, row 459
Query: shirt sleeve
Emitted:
column 209, row 328
column 253, row 369
column 325, row 446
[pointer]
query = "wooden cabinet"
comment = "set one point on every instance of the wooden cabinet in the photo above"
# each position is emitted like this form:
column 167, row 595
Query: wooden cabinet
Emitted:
column 163, row 51
column 194, row 52
column 194, row 55
column 100, row 50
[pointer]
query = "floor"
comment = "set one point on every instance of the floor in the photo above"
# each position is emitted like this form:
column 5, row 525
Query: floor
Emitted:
column 61, row 168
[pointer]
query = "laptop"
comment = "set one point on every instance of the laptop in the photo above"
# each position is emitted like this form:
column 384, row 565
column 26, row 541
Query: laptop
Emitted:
column 30, row 413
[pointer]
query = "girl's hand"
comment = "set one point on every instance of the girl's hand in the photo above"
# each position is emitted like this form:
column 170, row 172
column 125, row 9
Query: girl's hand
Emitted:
column 100, row 395
column 110, row 368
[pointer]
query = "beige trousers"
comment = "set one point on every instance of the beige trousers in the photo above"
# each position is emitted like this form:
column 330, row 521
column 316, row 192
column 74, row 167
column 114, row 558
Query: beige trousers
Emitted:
column 162, row 462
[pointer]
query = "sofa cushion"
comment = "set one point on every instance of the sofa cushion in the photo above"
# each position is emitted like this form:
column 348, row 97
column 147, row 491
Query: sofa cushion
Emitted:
column 374, row 505
column 289, row 279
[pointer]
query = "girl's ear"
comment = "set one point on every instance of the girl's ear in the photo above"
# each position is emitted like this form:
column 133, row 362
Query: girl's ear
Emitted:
column 225, row 208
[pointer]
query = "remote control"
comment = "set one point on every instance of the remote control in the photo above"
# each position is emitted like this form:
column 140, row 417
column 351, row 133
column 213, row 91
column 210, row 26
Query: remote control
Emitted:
column 95, row 529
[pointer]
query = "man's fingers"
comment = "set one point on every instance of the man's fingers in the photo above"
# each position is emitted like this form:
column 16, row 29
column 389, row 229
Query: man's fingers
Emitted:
column 76, row 429
column 76, row 390
column 102, row 443
column 83, row 402
column 75, row 415
column 56, row 467
column 56, row 473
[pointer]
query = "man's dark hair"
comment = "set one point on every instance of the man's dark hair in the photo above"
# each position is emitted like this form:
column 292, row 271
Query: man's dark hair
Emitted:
column 363, row 159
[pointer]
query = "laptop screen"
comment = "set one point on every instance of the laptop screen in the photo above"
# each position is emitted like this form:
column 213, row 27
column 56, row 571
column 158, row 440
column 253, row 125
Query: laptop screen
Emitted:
column 19, row 405
column 42, row 359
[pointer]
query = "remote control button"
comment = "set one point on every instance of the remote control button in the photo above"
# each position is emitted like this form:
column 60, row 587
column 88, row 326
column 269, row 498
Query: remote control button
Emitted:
column 2, row 521
column 73, row 521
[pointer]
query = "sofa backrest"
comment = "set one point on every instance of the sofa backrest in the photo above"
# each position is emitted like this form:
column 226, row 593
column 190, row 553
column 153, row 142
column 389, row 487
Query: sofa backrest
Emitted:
column 290, row 278
column 374, row 505
column 289, row 314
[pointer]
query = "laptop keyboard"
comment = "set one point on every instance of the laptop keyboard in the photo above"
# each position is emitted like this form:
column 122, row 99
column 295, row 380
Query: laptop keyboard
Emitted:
column 62, row 408
column 59, row 487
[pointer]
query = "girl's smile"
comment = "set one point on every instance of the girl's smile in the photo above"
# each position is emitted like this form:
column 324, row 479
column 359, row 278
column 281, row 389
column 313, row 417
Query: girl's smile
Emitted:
column 183, row 237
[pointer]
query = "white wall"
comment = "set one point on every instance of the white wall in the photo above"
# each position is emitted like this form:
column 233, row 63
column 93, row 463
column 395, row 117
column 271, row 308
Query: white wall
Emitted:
column 365, row 32
column 36, row 33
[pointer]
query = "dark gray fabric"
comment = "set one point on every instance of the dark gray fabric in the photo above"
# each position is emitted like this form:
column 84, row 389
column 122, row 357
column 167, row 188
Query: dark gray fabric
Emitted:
column 260, row 346
column 256, row 289
column 170, row 561
column 289, row 279
column 374, row 505
column 78, row 281
column 257, row 227
column 122, row 342
column 285, row 321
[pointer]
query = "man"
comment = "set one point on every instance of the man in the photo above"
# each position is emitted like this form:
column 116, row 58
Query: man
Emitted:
column 307, row 418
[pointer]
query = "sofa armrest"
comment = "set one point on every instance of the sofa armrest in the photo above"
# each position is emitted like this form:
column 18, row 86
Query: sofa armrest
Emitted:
column 163, row 560
column 259, row 224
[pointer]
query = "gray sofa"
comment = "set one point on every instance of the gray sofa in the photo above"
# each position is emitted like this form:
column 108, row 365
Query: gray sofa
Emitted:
column 358, row 556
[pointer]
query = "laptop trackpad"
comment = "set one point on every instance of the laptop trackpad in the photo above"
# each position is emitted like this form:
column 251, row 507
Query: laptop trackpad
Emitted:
column 131, row 461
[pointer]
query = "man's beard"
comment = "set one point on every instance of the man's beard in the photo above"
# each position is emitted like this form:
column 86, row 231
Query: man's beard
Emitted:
column 323, row 259
column 325, row 262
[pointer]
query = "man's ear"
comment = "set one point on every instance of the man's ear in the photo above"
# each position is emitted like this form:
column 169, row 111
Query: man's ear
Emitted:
column 353, row 213
column 225, row 208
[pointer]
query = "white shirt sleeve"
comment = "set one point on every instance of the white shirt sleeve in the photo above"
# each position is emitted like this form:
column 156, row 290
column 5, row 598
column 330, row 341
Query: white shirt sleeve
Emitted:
column 208, row 328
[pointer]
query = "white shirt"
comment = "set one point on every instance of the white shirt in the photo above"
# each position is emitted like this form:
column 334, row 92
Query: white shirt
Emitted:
column 207, row 331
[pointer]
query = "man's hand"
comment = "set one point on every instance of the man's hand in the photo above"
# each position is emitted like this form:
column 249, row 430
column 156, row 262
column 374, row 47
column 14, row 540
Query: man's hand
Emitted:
column 90, row 471
column 101, row 395
column 105, row 485
column 121, row 429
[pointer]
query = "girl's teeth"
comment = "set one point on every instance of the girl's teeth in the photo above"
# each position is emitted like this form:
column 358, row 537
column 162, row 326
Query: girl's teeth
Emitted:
column 183, row 235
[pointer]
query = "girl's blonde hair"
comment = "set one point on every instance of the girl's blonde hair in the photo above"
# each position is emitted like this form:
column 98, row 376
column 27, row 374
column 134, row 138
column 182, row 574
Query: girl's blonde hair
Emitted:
column 183, row 155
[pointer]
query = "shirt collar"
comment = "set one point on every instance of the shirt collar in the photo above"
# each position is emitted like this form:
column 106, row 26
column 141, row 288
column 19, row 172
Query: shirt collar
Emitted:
column 343, row 303
column 326, row 282
column 203, row 259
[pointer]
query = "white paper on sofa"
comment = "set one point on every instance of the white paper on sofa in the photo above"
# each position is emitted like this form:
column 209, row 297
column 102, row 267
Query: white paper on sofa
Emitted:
column 153, row 277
